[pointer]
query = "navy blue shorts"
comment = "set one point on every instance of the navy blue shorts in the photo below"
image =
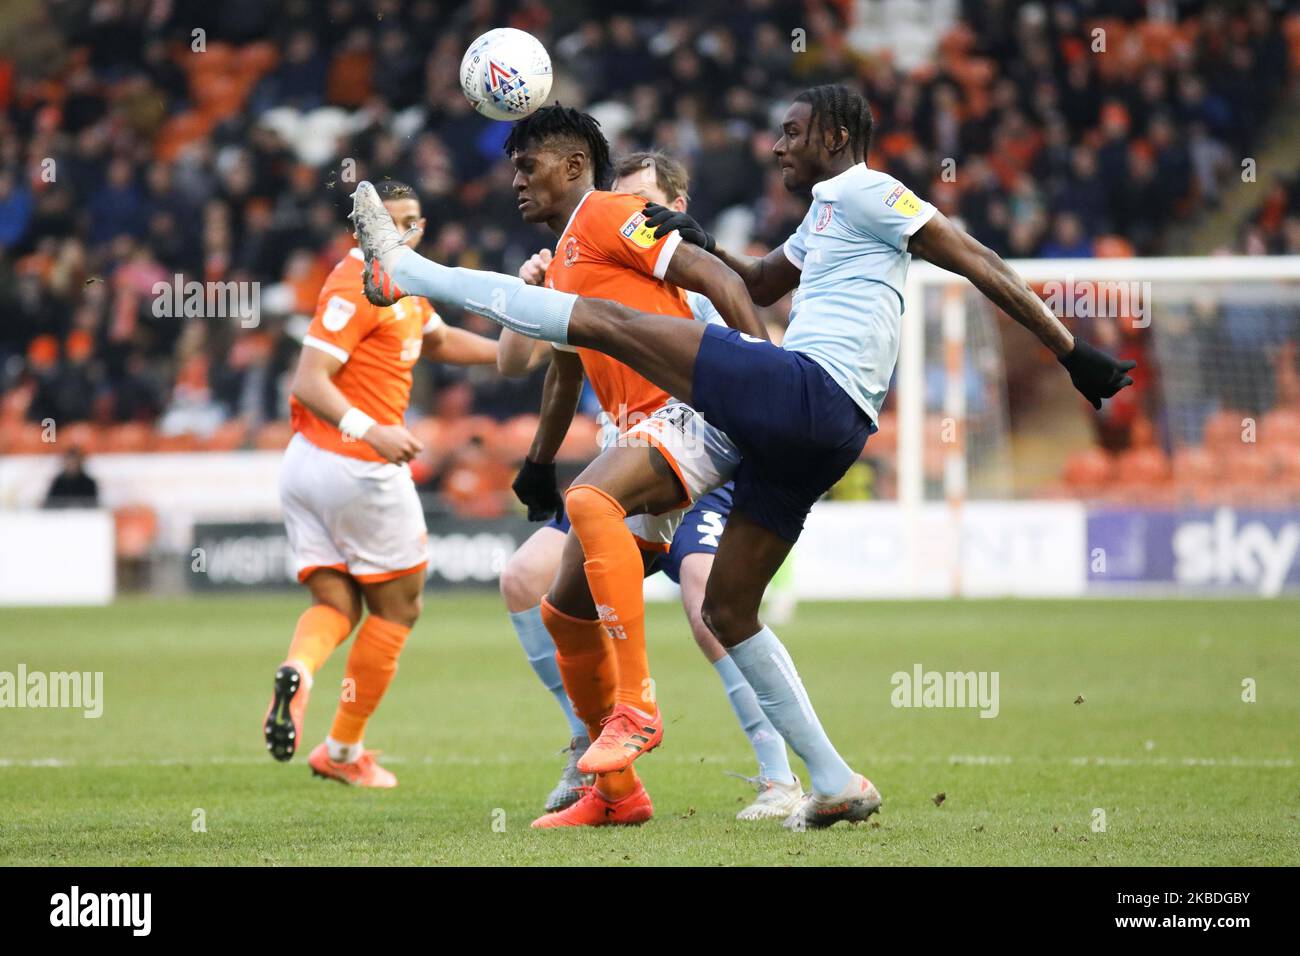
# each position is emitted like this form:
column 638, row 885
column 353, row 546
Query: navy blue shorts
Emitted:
column 797, row 430
column 699, row 532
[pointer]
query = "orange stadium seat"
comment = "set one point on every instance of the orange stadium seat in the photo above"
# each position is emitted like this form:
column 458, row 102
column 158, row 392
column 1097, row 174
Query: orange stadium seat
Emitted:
column 81, row 435
column 1143, row 475
column 273, row 436
column 229, row 437
column 136, row 528
column 1197, row 473
column 513, row 438
column 1112, row 247
column 1088, row 472
column 582, row 443
column 29, row 439
column 1291, row 29
column 127, row 438
column 217, row 58
column 1224, row 429
column 1281, row 426
column 179, row 131
column 257, row 59
column 459, row 432
column 429, row 431
column 185, row 441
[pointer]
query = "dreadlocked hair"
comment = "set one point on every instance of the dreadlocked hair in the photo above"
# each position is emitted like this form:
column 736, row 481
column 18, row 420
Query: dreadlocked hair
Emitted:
column 564, row 122
column 834, row 106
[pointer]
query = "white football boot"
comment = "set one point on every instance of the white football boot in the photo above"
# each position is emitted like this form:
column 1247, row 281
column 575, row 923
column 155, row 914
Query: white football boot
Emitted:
column 855, row 803
column 775, row 801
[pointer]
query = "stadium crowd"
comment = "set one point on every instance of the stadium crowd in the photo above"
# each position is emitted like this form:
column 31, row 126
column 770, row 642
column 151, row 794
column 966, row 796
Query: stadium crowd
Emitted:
column 218, row 142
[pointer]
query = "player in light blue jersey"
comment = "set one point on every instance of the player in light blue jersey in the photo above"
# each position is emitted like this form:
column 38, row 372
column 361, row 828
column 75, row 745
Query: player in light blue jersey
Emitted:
column 800, row 413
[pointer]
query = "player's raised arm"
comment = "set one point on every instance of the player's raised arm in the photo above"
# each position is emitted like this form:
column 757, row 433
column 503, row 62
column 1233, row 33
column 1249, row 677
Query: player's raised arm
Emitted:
column 443, row 343
column 695, row 269
column 766, row 278
column 536, row 485
column 1094, row 373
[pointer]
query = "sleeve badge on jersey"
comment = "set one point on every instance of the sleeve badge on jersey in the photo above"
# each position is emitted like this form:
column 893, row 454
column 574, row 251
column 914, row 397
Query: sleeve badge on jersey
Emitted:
column 338, row 311
column 636, row 231
column 903, row 201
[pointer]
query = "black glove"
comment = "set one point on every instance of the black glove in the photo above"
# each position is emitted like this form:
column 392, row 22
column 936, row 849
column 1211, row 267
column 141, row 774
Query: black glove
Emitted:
column 664, row 220
column 535, row 486
column 1094, row 373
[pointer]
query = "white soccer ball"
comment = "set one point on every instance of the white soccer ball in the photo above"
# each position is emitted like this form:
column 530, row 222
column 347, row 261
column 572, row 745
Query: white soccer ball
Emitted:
column 506, row 74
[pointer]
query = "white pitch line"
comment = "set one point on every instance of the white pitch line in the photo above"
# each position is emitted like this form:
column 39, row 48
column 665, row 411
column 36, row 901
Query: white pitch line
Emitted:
column 978, row 760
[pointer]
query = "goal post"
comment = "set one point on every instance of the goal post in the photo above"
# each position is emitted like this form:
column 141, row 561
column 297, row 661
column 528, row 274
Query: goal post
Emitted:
column 945, row 319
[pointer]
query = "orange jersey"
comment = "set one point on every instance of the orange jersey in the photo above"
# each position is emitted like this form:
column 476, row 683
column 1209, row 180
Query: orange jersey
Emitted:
column 378, row 348
column 606, row 252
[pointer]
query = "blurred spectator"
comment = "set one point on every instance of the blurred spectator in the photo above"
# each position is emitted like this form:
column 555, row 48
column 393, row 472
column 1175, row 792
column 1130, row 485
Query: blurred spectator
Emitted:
column 72, row 487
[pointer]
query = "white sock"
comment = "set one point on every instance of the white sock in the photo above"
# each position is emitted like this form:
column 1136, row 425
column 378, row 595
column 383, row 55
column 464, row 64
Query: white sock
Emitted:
column 343, row 753
column 766, row 664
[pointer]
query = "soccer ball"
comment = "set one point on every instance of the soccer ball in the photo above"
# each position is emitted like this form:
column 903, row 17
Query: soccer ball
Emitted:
column 506, row 74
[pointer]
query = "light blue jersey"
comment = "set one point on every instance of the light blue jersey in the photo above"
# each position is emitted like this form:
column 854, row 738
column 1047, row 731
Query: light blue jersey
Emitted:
column 852, row 250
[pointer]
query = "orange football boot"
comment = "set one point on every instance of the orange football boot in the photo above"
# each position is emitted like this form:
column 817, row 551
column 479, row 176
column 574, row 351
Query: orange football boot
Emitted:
column 364, row 773
column 282, row 725
column 593, row 810
column 627, row 734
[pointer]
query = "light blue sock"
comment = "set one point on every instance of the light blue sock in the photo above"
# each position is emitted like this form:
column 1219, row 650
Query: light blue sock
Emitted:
column 540, row 650
column 768, row 668
column 768, row 746
column 530, row 310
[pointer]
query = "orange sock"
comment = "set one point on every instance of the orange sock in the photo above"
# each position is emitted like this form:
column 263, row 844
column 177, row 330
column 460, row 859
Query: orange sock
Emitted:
column 615, row 573
column 369, row 671
column 587, row 667
column 320, row 629
column 586, row 664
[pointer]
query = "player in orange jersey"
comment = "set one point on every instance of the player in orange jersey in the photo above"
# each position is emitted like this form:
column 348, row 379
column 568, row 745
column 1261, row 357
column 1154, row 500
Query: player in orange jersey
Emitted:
column 665, row 457
column 355, row 524
column 527, row 576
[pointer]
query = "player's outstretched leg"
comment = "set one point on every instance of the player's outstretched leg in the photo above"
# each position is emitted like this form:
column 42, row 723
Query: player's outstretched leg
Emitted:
column 748, row 556
column 660, row 348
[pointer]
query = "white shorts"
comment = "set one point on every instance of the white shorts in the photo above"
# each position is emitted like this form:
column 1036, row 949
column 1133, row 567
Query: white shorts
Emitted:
column 361, row 517
column 703, row 458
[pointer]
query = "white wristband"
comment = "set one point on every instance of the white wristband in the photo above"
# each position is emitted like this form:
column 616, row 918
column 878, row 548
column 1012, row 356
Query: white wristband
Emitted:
column 355, row 423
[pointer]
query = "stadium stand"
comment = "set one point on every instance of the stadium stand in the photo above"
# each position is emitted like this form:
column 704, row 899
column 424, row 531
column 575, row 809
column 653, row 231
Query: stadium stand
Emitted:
column 157, row 153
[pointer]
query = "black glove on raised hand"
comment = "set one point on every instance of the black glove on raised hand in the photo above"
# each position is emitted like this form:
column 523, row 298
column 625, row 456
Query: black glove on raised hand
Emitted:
column 664, row 220
column 1094, row 373
column 535, row 486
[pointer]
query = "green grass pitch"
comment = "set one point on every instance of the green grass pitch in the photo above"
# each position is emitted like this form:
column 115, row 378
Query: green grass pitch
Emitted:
column 1161, row 743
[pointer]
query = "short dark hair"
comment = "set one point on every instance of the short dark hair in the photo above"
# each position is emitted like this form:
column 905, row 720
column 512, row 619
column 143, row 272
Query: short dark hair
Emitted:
column 391, row 190
column 564, row 122
column 835, row 105
column 671, row 175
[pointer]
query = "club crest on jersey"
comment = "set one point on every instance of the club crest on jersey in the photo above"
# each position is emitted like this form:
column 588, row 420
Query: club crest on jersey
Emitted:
column 338, row 311
column 637, row 232
column 571, row 251
column 824, row 217
column 903, row 201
